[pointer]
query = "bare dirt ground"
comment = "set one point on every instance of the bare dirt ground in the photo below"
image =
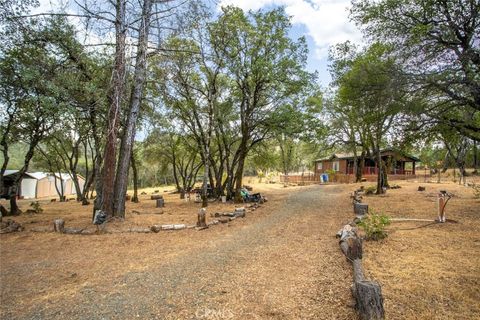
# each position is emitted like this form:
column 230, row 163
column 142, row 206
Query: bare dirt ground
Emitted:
column 280, row 262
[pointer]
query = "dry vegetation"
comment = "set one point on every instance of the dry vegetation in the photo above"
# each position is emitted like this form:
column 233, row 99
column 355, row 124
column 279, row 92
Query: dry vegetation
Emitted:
column 430, row 272
column 280, row 262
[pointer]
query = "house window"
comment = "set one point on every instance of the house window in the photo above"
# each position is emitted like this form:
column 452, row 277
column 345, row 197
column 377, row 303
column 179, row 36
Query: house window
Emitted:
column 336, row 166
column 320, row 166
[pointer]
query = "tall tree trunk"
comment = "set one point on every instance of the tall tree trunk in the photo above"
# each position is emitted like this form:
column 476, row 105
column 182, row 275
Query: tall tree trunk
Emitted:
column 445, row 162
column 206, row 179
column 239, row 174
column 361, row 165
column 128, row 137
column 379, row 168
column 60, row 191
column 76, row 184
column 475, row 157
column 135, row 179
column 105, row 195
column 355, row 164
column 4, row 144
column 14, row 210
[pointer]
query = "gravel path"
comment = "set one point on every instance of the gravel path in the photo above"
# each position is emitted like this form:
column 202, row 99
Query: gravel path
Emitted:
column 286, row 265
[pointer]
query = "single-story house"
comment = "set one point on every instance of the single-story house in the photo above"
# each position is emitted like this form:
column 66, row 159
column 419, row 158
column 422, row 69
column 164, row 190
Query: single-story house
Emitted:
column 39, row 184
column 397, row 163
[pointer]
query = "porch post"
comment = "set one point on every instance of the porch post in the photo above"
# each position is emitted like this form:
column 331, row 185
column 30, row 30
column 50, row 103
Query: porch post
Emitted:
column 413, row 167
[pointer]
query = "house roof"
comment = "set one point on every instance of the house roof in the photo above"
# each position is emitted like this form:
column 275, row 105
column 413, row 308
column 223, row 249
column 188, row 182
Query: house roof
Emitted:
column 351, row 156
column 40, row 175
column 337, row 156
column 34, row 175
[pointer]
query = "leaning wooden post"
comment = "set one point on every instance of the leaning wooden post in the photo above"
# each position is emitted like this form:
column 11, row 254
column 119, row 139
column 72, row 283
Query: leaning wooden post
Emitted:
column 59, row 225
column 368, row 294
column 202, row 218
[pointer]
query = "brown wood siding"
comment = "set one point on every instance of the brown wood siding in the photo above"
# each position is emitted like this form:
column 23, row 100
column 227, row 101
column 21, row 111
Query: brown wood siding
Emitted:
column 328, row 165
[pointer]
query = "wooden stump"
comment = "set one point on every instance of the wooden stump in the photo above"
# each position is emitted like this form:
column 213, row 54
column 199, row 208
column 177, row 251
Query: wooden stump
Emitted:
column 360, row 209
column 240, row 212
column 156, row 197
column 59, row 225
column 128, row 197
column 368, row 294
column 420, row 188
column 202, row 218
column 160, row 203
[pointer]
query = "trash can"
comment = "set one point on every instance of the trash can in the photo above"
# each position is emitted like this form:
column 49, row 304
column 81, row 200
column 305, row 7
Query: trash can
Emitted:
column 325, row 177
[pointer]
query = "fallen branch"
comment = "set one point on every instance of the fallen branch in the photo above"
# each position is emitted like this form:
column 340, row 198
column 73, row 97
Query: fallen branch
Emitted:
column 412, row 219
column 10, row 226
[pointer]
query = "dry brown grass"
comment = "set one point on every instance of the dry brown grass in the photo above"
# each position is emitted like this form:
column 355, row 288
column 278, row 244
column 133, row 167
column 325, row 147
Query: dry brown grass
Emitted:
column 431, row 272
column 280, row 262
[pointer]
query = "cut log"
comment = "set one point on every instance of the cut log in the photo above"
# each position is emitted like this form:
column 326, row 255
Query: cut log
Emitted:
column 156, row 228
column 368, row 294
column 156, row 196
column 224, row 214
column 411, row 219
column 223, row 219
column 140, row 230
column 59, row 225
column 160, row 203
column 350, row 242
column 10, row 226
column 360, row 209
column 202, row 218
column 240, row 212
column 73, row 230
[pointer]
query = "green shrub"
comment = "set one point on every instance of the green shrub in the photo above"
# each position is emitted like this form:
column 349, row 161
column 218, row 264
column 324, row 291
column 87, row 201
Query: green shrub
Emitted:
column 370, row 190
column 330, row 171
column 374, row 226
column 36, row 207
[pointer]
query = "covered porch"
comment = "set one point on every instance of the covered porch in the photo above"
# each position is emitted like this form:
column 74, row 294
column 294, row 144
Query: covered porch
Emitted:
column 395, row 166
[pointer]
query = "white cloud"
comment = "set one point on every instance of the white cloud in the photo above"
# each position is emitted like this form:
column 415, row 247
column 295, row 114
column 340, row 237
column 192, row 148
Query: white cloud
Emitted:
column 326, row 21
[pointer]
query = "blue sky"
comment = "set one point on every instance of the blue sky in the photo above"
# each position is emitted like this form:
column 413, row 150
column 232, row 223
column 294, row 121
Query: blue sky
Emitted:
column 323, row 22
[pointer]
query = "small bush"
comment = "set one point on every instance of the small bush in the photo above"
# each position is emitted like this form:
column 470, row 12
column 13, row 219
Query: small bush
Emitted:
column 36, row 207
column 374, row 226
column 370, row 190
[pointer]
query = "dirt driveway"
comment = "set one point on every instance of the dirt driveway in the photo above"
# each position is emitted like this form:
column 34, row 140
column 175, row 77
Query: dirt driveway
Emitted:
column 282, row 263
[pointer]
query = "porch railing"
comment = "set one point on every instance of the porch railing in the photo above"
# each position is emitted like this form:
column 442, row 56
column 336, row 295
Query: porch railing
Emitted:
column 373, row 170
